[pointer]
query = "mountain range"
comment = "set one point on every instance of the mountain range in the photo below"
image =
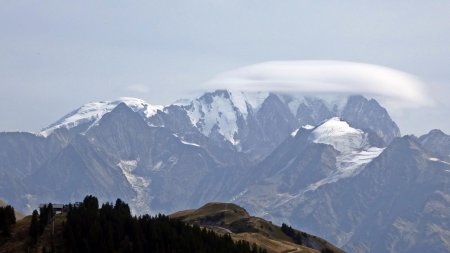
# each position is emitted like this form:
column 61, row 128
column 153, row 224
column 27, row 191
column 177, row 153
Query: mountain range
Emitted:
column 334, row 166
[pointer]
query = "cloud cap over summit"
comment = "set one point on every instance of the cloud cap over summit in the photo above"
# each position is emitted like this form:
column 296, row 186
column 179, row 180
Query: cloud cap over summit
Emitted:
column 394, row 87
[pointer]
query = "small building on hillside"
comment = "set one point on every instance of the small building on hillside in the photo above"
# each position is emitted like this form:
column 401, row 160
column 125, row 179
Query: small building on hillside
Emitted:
column 57, row 208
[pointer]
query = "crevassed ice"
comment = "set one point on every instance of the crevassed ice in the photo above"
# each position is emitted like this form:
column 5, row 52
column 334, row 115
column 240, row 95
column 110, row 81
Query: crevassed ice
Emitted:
column 240, row 100
column 223, row 112
column 220, row 113
column 340, row 135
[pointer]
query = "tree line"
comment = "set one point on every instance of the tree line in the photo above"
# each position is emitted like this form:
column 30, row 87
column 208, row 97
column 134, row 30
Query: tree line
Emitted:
column 7, row 218
column 40, row 220
column 299, row 237
column 112, row 228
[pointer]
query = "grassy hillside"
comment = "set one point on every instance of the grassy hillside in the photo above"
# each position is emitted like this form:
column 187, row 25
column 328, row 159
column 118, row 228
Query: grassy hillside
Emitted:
column 226, row 218
column 20, row 241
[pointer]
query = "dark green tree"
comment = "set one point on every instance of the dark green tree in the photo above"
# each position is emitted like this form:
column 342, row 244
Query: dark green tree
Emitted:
column 294, row 235
column 112, row 228
column 34, row 227
column 7, row 218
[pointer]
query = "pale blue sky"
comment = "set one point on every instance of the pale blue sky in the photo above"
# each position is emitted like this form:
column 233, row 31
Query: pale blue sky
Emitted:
column 58, row 55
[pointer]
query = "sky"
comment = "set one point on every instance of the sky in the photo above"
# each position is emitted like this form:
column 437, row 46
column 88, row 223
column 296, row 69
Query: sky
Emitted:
column 57, row 55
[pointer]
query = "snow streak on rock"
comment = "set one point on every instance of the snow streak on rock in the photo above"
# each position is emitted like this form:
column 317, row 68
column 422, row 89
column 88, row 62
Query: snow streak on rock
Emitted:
column 140, row 203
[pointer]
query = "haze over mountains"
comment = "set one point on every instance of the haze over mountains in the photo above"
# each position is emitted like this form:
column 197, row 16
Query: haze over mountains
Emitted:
column 336, row 167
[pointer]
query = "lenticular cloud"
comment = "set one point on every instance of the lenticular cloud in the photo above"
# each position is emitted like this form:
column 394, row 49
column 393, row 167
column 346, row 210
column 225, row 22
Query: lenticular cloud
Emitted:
column 393, row 86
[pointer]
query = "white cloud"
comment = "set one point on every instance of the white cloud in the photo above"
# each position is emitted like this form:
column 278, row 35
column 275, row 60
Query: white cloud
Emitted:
column 392, row 87
column 140, row 88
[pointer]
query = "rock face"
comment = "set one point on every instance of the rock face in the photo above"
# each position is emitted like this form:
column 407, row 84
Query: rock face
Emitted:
column 410, row 200
column 334, row 166
column 437, row 142
column 369, row 116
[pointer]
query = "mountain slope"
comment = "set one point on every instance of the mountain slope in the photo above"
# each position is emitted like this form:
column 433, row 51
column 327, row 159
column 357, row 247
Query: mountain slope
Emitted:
column 21, row 154
column 438, row 142
column 309, row 159
column 410, row 197
column 398, row 203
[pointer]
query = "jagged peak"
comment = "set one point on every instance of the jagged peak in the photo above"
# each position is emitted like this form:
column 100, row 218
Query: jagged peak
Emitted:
column 407, row 141
column 354, row 100
column 360, row 99
column 356, row 97
column 437, row 132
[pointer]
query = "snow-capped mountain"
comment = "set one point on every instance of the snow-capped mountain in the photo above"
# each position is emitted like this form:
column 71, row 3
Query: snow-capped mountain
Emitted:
column 321, row 163
column 253, row 123
column 89, row 114
column 311, row 158
column 353, row 145
column 256, row 123
column 235, row 129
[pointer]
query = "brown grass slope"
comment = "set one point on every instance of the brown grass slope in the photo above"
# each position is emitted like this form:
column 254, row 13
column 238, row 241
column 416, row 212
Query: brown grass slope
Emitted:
column 234, row 220
column 20, row 241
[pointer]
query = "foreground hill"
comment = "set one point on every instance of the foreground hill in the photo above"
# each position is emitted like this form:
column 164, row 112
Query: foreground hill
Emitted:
column 214, row 228
column 227, row 218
